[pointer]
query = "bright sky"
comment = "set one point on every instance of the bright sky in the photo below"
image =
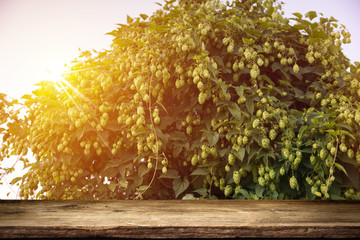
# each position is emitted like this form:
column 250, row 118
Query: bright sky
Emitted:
column 347, row 12
column 37, row 37
column 40, row 36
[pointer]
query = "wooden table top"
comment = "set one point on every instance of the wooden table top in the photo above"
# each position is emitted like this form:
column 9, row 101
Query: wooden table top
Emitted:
column 180, row 219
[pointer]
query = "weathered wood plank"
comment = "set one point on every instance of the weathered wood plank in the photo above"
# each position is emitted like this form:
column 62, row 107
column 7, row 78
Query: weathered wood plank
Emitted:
column 180, row 219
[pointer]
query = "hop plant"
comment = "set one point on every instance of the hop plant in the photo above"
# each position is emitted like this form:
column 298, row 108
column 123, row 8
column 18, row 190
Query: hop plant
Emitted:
column 199, row 97
column 262, row 181
column 293, row 182
column 272, row 134
column 231, row 159
column 228, row 190
column 296, row 68
column 265, row 143
column 236, row 177
column 282, row 171
column 323, row 154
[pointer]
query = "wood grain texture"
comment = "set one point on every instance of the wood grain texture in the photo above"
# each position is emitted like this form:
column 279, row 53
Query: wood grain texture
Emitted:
column 180, row 219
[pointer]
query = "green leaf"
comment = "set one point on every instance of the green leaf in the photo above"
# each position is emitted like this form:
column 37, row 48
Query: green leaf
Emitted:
column 301, row 131
column 235, row 111
column 333, row 132
column 332, row 19
column 189, row 196
column 143, row 188
column 285, row 83
column 319, row 34
column 340, row 167
column 343, row 157
column 27, row 97
column 123, row 183
column 161, row 105
column 311, row 15
column 201, row 191
column 353, row 174
column 276, row 66
column 299, row 94
column 80, row 132
column 38, row 195
column 123, row 42
column 213, row 138
column 223, row 87
column 336, row 197
column 112, row 186
column 268, row 79
column 222, row 152
column 267, row 33
column 112, row 164
column 200, row 171
column 298, row 15
column 171, row 173
column 257, row 135
column 3, row 96
column 259, row 190
column 304, row 70
column 347, row 133
column 129, row 19
column 245, row 193
column 110, row 172
column 15, row 180
column 144, row 16
column 343, row 125
column 180, row 186
column 219, row 61
column 241, row 153
column 143, row 170
column 248, row 41
column 240, row 91
column 177, row 149
column 250, row 105
column 112, row 33
column 335, row 25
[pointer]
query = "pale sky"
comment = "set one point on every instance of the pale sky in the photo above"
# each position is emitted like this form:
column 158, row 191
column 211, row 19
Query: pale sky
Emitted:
column 41, row 35
column 38, row 36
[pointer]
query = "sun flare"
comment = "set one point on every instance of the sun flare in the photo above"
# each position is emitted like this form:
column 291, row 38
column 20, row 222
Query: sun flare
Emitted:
column 53, row 73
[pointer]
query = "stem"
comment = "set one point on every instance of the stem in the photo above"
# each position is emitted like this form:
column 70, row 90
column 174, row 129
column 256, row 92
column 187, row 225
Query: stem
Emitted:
column 156, row 141
column 7, row 172
column 331, row 170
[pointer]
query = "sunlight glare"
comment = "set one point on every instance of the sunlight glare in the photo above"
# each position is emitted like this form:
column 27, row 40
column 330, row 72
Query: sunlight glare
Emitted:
column 53, row 73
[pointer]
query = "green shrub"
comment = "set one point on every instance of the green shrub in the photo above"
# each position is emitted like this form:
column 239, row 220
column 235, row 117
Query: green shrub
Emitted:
column 200, row 100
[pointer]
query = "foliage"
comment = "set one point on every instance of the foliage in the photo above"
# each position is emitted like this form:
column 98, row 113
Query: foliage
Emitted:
column 200, row 100
column 10, row 109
